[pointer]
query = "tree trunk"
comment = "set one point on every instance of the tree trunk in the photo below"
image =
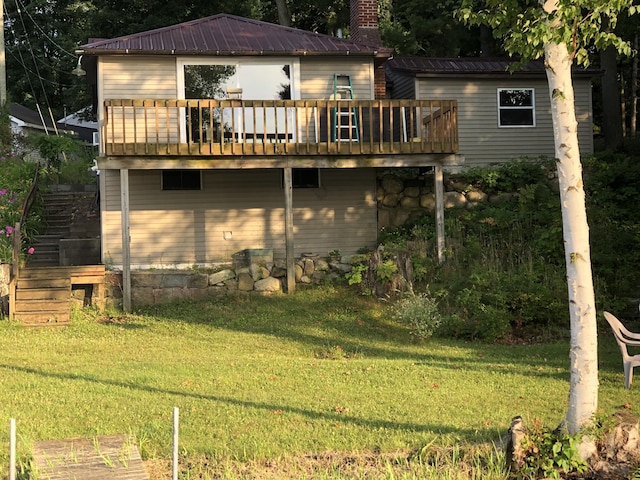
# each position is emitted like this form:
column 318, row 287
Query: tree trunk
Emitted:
column 284, row 15
column 583, row 390
column 633, row 93
column 611, row 114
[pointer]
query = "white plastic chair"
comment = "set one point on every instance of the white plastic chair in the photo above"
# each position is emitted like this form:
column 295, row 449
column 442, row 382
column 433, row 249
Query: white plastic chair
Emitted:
column 625, row 338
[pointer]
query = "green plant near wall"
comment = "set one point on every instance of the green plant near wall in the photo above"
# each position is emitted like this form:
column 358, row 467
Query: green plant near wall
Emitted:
column 16, row 177
column 550, row 454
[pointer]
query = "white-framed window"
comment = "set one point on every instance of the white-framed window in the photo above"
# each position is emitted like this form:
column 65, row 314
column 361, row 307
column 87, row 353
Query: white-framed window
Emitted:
column 272, row 78
column 96, row 139
column 516, row 107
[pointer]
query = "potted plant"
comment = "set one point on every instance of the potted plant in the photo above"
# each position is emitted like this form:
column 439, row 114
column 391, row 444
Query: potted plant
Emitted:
column 335, row 255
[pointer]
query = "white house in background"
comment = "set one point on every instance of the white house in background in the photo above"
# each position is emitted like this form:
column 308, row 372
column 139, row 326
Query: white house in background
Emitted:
column 78, row 123
column 502, row 115
column 24, row 120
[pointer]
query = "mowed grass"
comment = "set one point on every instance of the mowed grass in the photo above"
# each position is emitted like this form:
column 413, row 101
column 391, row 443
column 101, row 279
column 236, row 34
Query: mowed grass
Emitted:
column 260, row 379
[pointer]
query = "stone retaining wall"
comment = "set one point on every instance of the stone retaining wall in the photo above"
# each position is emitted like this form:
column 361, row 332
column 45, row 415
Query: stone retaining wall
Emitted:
column 401, row 200
column 150, row 287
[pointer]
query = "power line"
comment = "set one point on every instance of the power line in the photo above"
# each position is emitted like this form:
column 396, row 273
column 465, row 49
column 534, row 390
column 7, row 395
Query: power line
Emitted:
column 43, row 32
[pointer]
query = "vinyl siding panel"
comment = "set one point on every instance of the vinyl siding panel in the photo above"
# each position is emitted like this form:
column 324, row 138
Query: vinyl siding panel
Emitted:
column 139, row 77
column 482, row 141
column 180, row 228
column 404, row 86
column 316, row 77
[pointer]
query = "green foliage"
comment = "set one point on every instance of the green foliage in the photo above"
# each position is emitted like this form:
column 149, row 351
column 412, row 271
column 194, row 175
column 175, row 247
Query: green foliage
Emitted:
column 420, row 313
column 508, row 177
column 53, row 148
column 525, row 27
column 355, row 276
column 6, row 136
column 16, row 177
column 550, row 454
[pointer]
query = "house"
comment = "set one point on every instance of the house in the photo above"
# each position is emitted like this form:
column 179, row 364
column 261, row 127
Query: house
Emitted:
column 501, row 115
column 24, row 120
column 225, row 134
column 81, row 126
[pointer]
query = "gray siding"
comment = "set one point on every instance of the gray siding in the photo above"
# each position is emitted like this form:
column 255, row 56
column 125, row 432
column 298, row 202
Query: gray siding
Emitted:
column 180, row 228
column 404, row 86
column 482, row 141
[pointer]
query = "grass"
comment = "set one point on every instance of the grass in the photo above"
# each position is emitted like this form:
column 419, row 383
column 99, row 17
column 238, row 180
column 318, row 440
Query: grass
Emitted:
column 320, row 384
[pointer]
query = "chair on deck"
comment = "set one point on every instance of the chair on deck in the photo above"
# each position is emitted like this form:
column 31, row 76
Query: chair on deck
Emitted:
column 625, row 338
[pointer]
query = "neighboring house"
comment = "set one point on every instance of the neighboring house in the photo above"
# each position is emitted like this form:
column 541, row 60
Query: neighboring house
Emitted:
column 79, row 125
column 225, row 133
column 501, row 115
column 24, row 121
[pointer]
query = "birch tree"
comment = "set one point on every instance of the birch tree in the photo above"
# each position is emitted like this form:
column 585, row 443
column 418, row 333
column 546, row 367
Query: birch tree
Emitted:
column 563, row 32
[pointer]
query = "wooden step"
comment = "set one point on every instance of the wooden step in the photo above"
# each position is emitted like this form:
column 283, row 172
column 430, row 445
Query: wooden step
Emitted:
column 23, row 294
column 43, row 318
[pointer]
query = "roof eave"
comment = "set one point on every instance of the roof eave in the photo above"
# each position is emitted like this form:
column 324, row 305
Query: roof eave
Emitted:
column 232, row 53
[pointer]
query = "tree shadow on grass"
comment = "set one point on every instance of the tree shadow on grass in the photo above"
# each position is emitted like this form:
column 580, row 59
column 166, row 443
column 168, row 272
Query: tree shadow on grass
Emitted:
column 336, row 417
column 340, row 321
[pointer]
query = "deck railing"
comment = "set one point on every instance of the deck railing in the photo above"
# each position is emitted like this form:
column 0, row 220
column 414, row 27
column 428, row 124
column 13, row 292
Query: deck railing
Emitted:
column 279, row 127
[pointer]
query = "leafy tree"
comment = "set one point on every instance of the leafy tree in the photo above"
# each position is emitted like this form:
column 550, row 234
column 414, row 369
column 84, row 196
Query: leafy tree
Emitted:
column 418, row 27
column 41, row 38
column 563, row 31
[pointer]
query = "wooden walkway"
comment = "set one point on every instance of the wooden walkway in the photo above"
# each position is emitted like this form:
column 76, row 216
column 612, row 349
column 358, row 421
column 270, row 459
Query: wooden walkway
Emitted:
column 113, row 457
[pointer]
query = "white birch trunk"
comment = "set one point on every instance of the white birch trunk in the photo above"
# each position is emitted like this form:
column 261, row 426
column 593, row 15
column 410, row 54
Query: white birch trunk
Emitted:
column 583, row 393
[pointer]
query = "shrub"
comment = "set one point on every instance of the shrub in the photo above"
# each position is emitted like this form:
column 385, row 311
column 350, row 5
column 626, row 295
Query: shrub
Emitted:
column 16, row 177
column 420, row 313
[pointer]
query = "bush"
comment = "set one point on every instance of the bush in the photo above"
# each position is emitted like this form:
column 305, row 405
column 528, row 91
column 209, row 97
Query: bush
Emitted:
column 16, row 177
column 420, row 313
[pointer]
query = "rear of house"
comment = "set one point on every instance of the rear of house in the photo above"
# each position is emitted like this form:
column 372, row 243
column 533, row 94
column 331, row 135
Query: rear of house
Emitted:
column 226, row 133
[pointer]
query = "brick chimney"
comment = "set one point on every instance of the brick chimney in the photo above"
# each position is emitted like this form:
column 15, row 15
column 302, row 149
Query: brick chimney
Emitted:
column 364, row 29
column 364, row 22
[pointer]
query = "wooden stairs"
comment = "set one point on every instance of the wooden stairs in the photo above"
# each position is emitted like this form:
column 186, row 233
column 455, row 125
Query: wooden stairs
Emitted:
column 42, row 295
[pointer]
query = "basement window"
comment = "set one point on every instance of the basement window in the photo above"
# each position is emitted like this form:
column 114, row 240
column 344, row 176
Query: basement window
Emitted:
column 516, row 107
column 181, row 180
column 304, row 178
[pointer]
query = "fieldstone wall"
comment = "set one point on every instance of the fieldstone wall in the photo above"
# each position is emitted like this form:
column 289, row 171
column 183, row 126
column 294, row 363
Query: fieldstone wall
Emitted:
column 402, row 200
column 150, row 287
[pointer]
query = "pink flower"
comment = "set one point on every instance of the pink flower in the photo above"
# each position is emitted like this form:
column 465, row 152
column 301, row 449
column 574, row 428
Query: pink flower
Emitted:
column 31, row 250
column 4, row 191
column 9, row 230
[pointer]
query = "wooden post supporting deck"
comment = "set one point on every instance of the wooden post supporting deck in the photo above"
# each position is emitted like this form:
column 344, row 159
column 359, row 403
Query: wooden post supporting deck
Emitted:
column 126, row 240
column 288, row 229
column 439, row 189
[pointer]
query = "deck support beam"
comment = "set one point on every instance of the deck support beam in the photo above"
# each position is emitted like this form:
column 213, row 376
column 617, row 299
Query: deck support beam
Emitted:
column 439, row 190
column 288, row 229
column 126, row 240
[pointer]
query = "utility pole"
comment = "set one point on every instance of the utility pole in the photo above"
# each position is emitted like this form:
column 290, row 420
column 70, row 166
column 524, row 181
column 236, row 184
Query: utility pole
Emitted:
column 3, row 60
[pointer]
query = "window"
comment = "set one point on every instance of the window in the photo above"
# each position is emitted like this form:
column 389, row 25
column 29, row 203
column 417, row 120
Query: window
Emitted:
column 181, row 180
column 516, row 107
column 304, row 178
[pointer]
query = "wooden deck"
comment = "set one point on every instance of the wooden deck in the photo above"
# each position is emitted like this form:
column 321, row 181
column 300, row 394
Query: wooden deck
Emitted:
column 237, row 128
column 113, row 457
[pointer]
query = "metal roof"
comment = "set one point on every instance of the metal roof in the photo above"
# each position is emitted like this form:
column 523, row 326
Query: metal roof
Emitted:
column 230, row 35
column 479, row 66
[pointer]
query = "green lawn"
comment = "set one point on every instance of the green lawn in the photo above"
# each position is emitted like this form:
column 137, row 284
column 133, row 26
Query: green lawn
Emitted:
column 282, row 377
